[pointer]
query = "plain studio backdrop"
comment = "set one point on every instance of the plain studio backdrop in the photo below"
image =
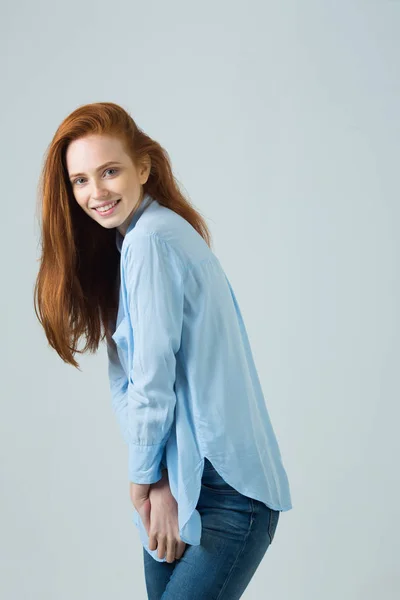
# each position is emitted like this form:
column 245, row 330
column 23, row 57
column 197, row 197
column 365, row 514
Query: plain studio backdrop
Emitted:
column 282, row 124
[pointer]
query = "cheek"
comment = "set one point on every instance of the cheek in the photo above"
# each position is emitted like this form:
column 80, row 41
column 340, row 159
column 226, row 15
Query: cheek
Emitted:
column 83, row 203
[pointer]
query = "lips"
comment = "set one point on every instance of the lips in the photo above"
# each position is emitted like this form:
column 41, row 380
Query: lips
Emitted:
column 105, row 213
column 105, row 204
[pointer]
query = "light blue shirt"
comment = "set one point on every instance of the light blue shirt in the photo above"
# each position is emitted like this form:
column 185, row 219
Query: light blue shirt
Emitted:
column 183, row 381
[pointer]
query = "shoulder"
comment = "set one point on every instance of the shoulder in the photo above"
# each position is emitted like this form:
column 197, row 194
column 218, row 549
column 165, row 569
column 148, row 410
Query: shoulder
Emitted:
column 160, row 220
column 149, row 250
column 160, row 229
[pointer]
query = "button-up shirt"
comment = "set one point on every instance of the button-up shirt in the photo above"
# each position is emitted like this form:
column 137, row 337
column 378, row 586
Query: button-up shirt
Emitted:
column 183, row 381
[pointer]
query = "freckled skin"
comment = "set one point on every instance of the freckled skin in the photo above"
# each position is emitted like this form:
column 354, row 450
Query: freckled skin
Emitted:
column 121, row 179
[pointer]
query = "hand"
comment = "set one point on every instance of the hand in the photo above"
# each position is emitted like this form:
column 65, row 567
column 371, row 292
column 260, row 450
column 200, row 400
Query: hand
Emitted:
column 139, row 493
column 164, row 528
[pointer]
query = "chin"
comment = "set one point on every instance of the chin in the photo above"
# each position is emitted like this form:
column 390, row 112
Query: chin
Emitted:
column 111, row 225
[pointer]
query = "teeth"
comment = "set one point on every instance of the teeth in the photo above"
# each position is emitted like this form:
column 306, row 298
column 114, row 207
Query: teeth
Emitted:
column 107, row 207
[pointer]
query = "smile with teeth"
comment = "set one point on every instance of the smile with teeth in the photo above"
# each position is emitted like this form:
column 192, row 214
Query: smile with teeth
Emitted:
column 107, row 206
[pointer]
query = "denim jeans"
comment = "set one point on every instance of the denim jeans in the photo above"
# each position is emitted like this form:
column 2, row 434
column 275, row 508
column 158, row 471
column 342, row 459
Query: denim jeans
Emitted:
column 236, row 533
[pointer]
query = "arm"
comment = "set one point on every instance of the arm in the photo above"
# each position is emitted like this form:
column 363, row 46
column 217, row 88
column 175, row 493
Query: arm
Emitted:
column 154, row 292
column 118, row 387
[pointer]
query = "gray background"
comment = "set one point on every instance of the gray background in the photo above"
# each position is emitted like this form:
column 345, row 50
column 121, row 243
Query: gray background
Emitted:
column 282, row 123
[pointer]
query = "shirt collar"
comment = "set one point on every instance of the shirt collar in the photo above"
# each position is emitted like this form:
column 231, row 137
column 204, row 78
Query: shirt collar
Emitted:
column 146, row 200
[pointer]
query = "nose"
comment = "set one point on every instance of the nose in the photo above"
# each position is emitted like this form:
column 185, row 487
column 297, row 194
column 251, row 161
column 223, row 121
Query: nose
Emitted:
column 99, row 192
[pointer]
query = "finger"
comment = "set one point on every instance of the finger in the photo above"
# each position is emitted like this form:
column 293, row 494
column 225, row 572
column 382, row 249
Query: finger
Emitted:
column 180, row 550
column 161, row 547
column 171, row 550
column 152, row 541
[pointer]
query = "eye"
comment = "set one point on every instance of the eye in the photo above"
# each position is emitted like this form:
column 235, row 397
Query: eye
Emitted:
column 111, row 169
column 75, row 182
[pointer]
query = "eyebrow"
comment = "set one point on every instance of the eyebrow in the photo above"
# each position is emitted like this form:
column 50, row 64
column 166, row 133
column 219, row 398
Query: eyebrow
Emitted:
column 110, row 162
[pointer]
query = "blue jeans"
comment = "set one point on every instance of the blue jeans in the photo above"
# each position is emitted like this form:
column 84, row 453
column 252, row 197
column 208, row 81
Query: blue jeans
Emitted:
column 236, row 533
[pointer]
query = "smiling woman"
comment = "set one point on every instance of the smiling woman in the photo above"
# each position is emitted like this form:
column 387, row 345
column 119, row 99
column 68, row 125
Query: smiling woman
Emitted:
column 126, row 255
column 110, row 188
column 98, row 157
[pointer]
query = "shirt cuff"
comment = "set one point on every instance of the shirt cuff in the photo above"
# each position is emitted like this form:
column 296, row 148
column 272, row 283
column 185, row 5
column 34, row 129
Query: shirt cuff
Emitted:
column 145, row 463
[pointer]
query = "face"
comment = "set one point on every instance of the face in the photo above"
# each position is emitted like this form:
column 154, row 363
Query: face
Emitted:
column 96, row 184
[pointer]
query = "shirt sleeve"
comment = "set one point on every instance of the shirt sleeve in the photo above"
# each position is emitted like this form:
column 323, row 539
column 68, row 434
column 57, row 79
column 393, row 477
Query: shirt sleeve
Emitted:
column 154, row 290
column 118, row 387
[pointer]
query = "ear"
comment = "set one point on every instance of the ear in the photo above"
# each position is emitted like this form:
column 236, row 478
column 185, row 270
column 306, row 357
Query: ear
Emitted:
column 144, row 170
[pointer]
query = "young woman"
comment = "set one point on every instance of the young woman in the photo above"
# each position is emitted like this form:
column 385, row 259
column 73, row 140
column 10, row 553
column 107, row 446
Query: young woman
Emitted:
column 127, row 258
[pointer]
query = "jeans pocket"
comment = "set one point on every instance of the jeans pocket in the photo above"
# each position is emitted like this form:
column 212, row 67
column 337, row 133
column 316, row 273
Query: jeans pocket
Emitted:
column 273, row 523
column 213, row 482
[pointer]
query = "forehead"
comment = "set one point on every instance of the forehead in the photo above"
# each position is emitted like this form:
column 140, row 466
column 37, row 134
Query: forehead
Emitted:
column 87, row 153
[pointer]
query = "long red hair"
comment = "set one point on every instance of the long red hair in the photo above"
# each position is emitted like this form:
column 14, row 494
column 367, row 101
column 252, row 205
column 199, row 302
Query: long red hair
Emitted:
column 76, row 290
